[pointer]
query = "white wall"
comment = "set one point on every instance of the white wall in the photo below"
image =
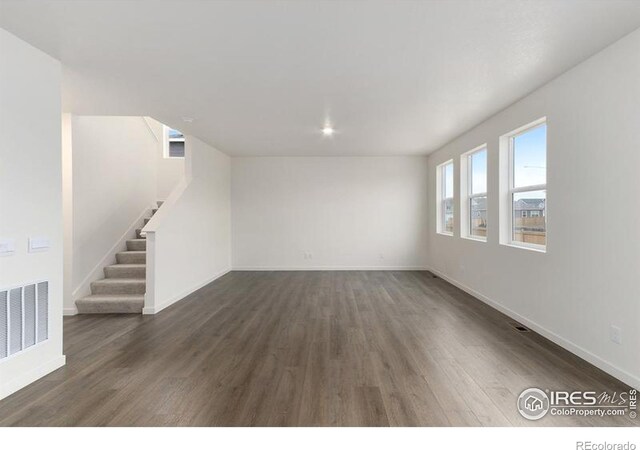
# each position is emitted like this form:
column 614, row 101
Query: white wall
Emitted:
column 588, row 279
column 67, row 213
column 118, row 175
column 114, row 182
column 188, row 240
column 346, row 212
column 31, row 194
column 170, row 171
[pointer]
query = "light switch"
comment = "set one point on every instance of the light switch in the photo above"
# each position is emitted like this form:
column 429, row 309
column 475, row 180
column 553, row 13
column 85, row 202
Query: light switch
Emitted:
column 7, row 247
column 38, row 244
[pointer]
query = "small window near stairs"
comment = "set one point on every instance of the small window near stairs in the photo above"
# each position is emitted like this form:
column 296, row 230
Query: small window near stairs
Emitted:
column 173, row 143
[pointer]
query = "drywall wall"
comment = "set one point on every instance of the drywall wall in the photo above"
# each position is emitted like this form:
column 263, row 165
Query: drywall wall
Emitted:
column 588, row 278
column 31, row 194
column 188, row 239
column 329, row 212
column 169, row 170
column 67, row 213
column 118, row 174
column 169, row 173
column 114, row 182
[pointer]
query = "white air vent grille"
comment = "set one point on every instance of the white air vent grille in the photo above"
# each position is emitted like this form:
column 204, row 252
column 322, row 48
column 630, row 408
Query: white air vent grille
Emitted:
column 15, row 320
column 4, row 331
column 43, row 312
column 29, row 305
column 24, row 315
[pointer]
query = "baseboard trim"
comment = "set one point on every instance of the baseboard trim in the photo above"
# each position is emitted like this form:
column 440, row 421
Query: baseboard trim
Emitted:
column 583, row 353
column 70, row 311
column 35, row 374
column 156, row 309
column 324, row 268
column 84, row 288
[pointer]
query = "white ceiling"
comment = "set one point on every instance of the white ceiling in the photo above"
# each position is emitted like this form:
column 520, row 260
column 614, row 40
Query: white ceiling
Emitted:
column 260, row 77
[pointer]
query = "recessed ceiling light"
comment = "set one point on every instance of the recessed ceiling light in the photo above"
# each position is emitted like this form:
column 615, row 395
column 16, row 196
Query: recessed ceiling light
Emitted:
column 328, row 130
column 187, row 119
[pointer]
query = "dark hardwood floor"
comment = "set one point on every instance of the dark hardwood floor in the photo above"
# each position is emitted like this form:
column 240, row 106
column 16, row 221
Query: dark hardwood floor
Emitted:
column 307, row 349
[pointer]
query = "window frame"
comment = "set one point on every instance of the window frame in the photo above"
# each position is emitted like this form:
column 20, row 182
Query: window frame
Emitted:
column 466, row 189
column 166, row 140
column 511, row 190
column 441, row 199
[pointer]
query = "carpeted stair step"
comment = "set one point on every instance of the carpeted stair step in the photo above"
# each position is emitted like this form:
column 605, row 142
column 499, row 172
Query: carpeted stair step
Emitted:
column 126, row 271
column 111, row 304
column 133, row 257
column 137, row 244
column 139, row 234
column 116, row 286
column 159, row 203
column 146, row 221
column 153, row 211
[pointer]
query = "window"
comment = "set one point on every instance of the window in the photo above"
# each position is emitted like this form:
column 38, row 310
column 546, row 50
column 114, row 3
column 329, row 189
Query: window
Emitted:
column 445, row 198
column 173, row 143
column 474, row 188
column 527, row 193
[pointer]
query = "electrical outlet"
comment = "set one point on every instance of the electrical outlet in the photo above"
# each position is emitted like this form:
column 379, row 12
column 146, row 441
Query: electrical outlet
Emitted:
column 615, row 334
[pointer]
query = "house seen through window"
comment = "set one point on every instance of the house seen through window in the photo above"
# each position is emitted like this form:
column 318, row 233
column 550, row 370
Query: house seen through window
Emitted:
column 477, row 193
column 446, row 198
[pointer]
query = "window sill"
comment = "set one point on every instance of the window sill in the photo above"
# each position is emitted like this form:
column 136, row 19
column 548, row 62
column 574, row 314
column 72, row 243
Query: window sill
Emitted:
column 474, row 238
column 536, row 249
column 442, row 233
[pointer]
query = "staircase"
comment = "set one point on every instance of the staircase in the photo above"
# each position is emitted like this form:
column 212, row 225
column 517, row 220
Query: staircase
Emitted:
column 123, row 288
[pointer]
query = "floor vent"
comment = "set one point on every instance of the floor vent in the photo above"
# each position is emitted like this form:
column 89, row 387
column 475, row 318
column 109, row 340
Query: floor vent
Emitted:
column 519, row 327
column 24, row 317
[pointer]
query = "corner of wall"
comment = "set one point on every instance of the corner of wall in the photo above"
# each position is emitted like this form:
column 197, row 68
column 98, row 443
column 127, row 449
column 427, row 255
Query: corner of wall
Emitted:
column 30, row 88
column 198, row 206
